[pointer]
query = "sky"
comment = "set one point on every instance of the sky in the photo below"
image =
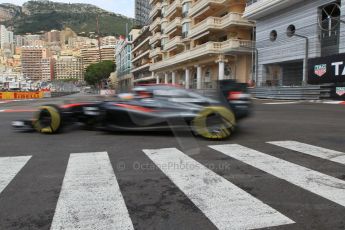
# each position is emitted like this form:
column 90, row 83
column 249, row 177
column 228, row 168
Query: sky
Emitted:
column 125, row 7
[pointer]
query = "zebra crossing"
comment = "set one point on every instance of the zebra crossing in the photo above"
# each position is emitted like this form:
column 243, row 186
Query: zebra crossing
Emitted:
column 91, row 198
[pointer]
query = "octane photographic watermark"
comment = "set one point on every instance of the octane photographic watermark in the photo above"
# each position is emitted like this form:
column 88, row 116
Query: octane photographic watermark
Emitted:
column 139, row 166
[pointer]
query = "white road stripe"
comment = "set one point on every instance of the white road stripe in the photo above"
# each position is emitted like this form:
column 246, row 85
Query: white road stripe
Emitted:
column 333, row 102
column 323, row 185
column 90, row 197
column 282, row 103
column 9, row 167
column 328, row 154
column 226, row 205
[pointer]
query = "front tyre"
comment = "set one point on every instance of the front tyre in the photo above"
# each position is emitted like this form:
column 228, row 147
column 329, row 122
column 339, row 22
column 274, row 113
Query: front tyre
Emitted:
column 48, row 119
column 214, row 123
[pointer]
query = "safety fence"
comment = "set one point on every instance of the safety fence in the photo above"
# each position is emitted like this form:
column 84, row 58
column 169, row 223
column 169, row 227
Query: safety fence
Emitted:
column 317, row 92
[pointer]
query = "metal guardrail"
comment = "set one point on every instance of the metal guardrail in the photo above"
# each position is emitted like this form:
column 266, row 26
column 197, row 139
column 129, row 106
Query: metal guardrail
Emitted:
column 293, row 93
column 61, row 94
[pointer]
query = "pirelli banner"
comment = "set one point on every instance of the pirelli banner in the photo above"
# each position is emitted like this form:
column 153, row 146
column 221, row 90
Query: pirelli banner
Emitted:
column 20, row 95
column 330, row 69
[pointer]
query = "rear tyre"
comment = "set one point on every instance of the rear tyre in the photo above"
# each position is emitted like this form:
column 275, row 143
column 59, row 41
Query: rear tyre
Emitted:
column 214, row 123
column 48, row 119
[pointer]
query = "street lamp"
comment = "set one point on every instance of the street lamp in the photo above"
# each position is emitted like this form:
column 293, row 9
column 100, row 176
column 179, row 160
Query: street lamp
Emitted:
column 290, row 32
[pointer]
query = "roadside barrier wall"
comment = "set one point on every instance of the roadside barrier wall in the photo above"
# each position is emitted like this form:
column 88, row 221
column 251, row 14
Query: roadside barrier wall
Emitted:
column 32, row 95
column 20, row 95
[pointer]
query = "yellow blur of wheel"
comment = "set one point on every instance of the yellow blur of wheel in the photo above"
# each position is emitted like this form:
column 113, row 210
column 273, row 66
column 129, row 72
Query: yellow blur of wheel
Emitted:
column 223, row 129
column 47, row 119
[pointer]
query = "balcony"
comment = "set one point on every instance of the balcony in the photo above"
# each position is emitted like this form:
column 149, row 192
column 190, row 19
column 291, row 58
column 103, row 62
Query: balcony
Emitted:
column 155, row 10
column 155, row 52
column 140, row 68
column 173, row 25
column 209, row 48
column 151, row 2
column 216, row 23
column 140, row 45
column 143, row 77
column 155, row 24
column 203, row 4
column 173, row 7
column 262, row 8
column 155, row 38
column 143, row 54
column 173, row 43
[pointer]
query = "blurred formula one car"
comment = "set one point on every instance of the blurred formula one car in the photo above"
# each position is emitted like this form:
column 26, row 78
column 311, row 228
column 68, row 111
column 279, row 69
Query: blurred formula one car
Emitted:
column 151, row 107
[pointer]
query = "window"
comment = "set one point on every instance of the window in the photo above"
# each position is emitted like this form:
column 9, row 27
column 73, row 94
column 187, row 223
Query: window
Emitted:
column 185, row 9
column 291, row 30
column 163, row 42
column 163, row 26
column 273, row 35
column 185, row 29
column 164, row 10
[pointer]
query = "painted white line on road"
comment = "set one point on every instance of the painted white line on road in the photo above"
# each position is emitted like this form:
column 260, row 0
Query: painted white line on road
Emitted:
column 333, row 102
column 9, row 168
column 323, row 185
column 17, row 110
column 90, row 196
column 282, row 103
column 328, row 154
column 224, row 204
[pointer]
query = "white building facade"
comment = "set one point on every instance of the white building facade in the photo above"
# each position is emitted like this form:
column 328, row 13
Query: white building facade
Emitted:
column 290, row 32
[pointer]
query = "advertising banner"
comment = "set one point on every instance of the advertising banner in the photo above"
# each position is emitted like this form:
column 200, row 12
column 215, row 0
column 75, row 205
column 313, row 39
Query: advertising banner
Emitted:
column 20, row 95
column 27, row 95
column 330, row 69
column 107, row 92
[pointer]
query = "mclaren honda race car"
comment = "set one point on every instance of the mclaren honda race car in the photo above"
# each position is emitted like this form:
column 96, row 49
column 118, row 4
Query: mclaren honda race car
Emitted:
column 151, row 107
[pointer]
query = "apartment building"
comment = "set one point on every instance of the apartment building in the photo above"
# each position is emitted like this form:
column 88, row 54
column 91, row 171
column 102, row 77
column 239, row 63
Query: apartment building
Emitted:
column 288, row 33
column 108, row 41
column 141, row 58
column 47, row 69
column 31, row 58
column 81, row 43
column 94, row 55
column 197, row 42
column 52, row 36
column 124, row 61
column 142, row 11
column 6, row 38
column 69, row 68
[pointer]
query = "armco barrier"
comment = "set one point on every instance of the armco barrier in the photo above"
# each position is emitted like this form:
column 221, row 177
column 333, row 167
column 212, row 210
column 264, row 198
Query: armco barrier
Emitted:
column 61, row 94
column 107, row 92
column 293, row 93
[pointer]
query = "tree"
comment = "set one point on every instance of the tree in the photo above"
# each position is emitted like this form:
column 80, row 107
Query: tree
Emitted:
column 95, row 73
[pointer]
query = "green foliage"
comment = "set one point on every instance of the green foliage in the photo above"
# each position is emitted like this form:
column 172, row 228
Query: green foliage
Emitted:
column 95, row 73
column 79, row 17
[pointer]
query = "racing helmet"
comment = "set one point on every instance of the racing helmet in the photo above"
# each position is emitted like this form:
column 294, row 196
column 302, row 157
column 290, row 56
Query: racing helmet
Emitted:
column 142, row 92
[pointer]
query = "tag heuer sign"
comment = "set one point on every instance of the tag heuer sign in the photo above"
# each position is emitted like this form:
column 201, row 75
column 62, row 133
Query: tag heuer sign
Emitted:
column 329, row 69
column 340, row 91
column 320, row 70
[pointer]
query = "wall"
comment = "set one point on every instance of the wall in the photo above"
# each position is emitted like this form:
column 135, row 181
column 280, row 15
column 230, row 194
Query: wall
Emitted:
column 284, row 49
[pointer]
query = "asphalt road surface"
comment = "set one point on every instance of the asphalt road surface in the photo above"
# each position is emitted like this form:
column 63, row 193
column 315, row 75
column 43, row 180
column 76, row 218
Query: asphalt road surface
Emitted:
column 283, row 169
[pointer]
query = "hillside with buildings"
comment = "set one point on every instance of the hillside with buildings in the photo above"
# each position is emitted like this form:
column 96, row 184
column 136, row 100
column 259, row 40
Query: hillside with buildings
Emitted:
column 37, row 16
